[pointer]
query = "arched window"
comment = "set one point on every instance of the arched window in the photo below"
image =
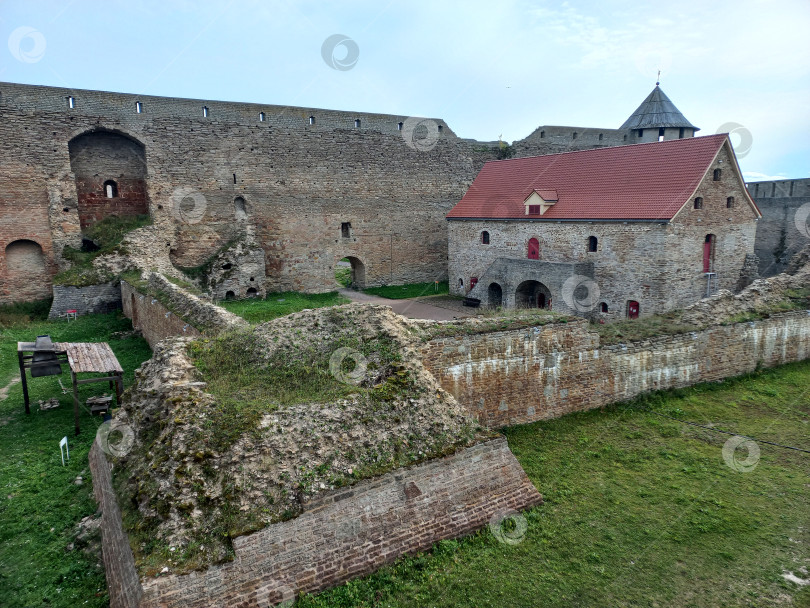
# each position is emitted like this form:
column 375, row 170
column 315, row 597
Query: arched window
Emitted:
column 261, row 116
column 699, row 202
column 533, row 249
column 312, row 120
column 730, row 202
column 239, row 208
column 485, row 237
column 399, row 126
column 708, row 253
column 356, row 123
column 593, row 242
column 717, row 174
column 110, row 189
column 461, row 282
column 603, row 307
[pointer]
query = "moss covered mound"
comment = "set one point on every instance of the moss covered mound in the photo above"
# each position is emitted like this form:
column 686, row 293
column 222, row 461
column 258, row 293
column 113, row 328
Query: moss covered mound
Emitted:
column 237, row 432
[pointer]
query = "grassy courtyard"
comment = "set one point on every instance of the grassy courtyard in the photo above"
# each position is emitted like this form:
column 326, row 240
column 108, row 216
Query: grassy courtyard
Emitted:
column 641, row 509
column 255, row 310
column 40, row 505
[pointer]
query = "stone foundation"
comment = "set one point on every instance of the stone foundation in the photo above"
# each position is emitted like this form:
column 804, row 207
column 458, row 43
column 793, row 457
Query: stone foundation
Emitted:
column 345, row 533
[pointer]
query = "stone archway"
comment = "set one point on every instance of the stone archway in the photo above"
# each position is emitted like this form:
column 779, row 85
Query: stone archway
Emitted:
column 110, row 171
column 532, row 294
column 494, row 295
column 351, row 272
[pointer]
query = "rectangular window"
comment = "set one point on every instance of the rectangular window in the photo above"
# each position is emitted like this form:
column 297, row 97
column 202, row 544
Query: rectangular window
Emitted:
column 346, row 230
column 138, row 107
column 534, row 209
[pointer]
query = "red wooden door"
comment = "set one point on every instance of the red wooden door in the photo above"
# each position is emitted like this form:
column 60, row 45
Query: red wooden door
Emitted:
column 534, row 249
column 473, row 282
column 632, row 309
column 707, row 254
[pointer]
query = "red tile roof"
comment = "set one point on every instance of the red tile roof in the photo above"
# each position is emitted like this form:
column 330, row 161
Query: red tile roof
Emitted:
column 636, row 182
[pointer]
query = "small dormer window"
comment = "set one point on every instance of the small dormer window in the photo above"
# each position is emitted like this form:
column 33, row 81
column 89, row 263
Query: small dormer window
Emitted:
column 534, row 209
column 540, row 201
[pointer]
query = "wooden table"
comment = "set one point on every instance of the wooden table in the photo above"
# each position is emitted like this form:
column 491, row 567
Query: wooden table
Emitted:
column 81, row 357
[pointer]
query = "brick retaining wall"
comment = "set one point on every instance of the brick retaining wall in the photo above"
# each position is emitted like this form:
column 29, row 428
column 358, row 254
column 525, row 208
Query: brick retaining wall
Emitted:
column 152, row 318
column 343, row 534
column 519, row 376
column 102, row 298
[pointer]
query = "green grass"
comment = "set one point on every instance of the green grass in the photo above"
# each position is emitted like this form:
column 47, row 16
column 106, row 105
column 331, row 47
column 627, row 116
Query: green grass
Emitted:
column 343, row 275
column 280, row 304
column 22, row 313
column 107, row 235
column 411, row 290
column 39, row 503
column 639, row 511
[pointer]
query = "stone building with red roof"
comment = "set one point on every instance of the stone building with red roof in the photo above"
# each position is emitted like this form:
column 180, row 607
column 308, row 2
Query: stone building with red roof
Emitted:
column 613, row 232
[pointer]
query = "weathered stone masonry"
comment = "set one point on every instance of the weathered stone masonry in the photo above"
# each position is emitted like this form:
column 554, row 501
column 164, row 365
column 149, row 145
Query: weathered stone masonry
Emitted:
column 519, row 376
column 346, row 533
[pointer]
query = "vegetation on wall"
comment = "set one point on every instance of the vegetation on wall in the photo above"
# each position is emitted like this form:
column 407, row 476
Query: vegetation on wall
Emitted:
column 103, row 237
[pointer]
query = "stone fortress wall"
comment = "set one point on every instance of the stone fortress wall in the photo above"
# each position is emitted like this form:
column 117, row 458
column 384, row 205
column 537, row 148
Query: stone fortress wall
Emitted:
column 311, row 186
column 785, row 225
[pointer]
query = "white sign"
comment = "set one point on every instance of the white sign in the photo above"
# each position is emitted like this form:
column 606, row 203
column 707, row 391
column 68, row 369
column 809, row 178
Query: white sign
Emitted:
column 63, row 447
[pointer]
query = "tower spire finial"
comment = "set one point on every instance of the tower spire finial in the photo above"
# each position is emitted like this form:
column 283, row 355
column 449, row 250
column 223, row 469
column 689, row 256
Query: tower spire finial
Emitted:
column 658, row 80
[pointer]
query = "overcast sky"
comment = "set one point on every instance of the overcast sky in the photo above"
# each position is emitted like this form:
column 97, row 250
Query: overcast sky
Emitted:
column 497, row 68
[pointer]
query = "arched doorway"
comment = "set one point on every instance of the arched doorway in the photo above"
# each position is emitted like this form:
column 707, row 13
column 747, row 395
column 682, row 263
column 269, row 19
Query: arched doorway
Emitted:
column 351, row 272
column 26, row 271
column 495, row 295
column 532, row 294
column 110, row 170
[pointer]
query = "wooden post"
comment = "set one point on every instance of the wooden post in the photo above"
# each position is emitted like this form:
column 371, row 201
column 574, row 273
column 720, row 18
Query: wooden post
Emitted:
column 24, row 381
column 75, row 402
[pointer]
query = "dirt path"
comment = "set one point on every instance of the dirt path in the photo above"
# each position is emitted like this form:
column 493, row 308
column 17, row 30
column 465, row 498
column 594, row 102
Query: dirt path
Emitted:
column 4, row 391
column 415, row 308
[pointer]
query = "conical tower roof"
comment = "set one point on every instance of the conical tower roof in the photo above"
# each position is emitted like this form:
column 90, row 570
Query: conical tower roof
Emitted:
column 657, row 111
